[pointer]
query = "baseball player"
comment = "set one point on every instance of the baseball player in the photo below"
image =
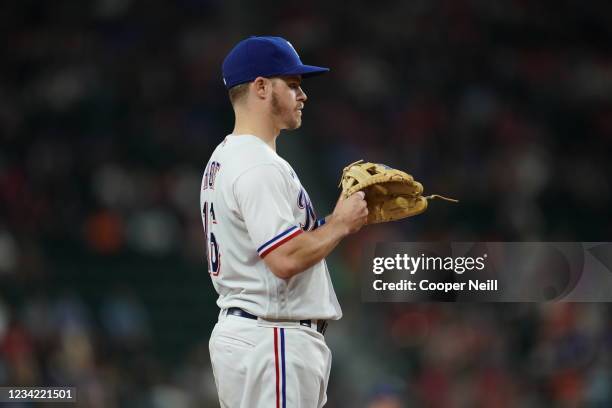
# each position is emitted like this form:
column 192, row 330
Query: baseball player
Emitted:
column 266, row 248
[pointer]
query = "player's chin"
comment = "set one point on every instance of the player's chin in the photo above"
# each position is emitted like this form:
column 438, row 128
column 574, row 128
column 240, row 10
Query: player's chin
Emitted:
column 294, row 124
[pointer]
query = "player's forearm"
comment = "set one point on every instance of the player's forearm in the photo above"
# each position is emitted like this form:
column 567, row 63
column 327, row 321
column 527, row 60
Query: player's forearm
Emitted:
column 305, row 250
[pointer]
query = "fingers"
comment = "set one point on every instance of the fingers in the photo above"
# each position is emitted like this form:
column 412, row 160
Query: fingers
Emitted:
column 365, row 213
column 363, row 210
column 362, row 204
column 359, row 194
column 353, row 210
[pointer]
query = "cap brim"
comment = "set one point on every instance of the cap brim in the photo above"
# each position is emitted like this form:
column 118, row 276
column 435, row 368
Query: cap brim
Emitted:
column 306, row 71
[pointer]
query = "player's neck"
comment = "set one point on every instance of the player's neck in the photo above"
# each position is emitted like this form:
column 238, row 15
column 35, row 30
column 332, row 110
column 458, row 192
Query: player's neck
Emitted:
column 264, row 130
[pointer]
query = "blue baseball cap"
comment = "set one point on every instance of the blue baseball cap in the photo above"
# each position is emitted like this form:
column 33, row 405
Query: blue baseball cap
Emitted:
column 265, row 57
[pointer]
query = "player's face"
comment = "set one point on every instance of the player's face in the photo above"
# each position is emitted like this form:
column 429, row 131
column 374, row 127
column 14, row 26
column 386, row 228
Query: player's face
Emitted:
column 287, row 102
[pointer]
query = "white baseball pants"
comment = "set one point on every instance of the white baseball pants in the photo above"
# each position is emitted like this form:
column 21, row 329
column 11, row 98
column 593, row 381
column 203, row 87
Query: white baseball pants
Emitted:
column 258, row 363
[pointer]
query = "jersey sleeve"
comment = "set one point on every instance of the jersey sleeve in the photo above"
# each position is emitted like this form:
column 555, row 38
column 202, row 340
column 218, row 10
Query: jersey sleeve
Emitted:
column 265, row 201
column 320, row 222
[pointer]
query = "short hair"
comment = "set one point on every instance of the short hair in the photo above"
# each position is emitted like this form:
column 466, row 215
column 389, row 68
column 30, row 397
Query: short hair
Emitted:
column 238, row 92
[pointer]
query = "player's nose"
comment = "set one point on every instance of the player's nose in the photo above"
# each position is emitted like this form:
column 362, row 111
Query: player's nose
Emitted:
column 302, row 95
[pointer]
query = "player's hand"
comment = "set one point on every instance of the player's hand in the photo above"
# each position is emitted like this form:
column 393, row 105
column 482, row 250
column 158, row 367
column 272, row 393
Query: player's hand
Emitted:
column 351, row 213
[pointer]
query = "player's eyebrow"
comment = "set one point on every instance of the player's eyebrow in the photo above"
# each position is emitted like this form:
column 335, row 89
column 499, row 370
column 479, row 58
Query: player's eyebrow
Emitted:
column 292, row 80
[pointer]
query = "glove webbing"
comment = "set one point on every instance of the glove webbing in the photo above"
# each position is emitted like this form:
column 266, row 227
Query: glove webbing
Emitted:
column 429, row 197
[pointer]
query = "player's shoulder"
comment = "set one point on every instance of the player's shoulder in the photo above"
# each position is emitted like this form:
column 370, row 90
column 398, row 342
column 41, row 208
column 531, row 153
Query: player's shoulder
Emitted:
column 245, row 151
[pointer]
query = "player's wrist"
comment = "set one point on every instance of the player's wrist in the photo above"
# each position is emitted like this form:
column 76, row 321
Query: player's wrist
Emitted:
column 334, row 223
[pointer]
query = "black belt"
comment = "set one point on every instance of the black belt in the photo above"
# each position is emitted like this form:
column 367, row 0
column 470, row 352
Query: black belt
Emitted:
column 236, row 311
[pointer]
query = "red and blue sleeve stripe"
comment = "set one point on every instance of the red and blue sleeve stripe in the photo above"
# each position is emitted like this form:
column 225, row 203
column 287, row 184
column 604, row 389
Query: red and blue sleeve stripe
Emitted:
column 278, row 240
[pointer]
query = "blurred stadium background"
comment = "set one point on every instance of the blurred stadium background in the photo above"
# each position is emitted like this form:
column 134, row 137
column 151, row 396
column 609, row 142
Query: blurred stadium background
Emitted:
column 109, row 110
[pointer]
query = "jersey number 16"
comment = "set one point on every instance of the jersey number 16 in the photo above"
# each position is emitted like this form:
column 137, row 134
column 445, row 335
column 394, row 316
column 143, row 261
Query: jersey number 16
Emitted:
column 212, row 246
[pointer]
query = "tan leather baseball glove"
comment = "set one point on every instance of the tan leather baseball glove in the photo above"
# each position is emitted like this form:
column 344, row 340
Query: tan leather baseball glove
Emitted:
column 391, row 194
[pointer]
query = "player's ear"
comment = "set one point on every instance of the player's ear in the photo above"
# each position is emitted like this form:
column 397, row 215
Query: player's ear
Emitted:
column 262, row 87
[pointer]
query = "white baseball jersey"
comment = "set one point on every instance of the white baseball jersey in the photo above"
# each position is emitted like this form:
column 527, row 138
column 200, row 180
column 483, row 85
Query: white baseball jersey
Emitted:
column 251, row 203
